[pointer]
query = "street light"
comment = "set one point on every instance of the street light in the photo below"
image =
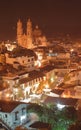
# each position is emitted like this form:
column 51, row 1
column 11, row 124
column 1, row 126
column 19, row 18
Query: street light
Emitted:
column 60, row 106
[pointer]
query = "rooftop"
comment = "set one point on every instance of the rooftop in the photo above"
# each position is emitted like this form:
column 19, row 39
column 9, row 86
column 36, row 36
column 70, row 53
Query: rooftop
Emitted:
column 57, row 91
column 9, row 106
column 60, row 100
column 32, row 75
column 20, row 51
column 39, row 124
column 47, row 68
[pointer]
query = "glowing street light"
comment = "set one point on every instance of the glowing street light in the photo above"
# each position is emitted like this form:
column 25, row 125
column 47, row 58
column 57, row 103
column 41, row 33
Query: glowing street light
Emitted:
column 60, row 106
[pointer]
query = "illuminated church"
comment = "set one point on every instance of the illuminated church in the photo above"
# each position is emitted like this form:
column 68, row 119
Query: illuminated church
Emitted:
column 32, row 38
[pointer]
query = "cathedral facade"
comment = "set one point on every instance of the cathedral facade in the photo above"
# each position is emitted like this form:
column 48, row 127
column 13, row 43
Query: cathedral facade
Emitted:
column 31, row 38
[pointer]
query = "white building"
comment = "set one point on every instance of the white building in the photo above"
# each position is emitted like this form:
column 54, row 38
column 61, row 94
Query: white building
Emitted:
column 13, row 114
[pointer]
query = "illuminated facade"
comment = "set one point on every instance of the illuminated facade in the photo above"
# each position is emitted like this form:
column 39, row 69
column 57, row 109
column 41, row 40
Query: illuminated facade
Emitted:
column 32, row 38
column 2, row 59
column 24, row 40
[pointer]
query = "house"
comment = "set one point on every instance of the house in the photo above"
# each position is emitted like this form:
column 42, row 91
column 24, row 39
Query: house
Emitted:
column 56, row 92
column 16, row 79
column 48, row 70
column 13, row 114
column 23, row 56
column 60, row 101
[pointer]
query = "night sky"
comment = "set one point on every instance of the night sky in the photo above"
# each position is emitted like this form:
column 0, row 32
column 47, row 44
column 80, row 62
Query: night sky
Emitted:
column 52, row 16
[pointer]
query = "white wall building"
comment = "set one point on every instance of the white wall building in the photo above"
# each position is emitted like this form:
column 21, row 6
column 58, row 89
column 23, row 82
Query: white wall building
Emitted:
column 13, row 114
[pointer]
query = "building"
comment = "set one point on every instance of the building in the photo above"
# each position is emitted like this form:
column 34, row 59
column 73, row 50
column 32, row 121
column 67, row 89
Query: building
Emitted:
column 32, row 37
column 13, row 114
column 69, row 102
column 24, row 40
column 19, row 84
column 2, row 59
column 21, row 56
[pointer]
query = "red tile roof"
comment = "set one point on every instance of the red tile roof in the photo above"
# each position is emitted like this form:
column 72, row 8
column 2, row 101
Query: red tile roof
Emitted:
column 63, row 101
column 39, row 124
column 8, row 106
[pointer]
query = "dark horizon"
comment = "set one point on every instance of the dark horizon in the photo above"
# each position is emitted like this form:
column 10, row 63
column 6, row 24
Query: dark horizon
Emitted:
column 52, row 16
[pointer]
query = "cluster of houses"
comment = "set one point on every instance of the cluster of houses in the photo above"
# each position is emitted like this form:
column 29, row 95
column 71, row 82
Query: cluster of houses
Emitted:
column 22, row 71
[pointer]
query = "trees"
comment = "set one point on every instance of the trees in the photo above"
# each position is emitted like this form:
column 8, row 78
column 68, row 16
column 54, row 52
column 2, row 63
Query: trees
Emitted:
column 59, row 119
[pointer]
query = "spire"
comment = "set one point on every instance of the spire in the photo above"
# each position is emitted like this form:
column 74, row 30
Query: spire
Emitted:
column 19, row 31
column 29, row 33
column 29, row 28
column 19, row 22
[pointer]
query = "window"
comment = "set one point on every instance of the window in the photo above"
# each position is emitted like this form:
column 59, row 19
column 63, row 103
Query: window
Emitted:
column 6, row 116
column 23, row 111
column 28, row 60
column 23, row 61
column 32, row 59
column 16, row 115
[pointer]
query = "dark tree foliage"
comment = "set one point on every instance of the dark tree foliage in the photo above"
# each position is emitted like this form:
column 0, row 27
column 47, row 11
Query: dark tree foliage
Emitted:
column 76, row 126
column 70, row 113
column 59, row 119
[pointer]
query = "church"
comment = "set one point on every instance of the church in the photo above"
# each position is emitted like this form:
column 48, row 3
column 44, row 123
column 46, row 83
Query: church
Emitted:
column 32, row 38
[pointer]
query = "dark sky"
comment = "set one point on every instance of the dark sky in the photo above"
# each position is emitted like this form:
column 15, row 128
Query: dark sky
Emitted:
column 52, row 16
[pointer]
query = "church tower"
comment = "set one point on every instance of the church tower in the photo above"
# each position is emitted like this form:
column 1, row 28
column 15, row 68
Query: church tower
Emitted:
column 19, row 32
column 29, row 34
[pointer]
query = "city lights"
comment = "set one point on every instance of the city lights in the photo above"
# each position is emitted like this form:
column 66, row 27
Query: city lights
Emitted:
column 40, row 64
